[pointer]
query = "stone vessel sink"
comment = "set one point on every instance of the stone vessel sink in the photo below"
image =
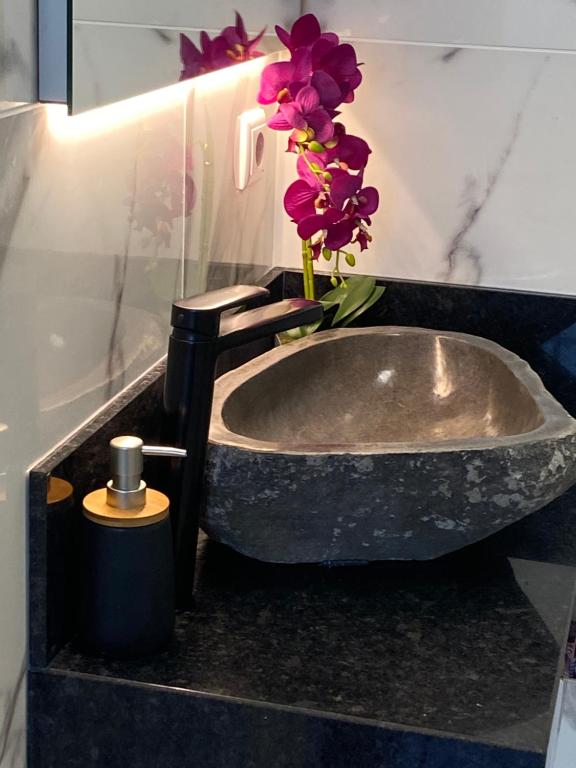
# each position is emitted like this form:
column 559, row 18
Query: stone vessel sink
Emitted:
column 381, row 443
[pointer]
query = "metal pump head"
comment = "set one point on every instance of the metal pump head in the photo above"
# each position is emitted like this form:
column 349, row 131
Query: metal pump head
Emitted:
column 126, row 489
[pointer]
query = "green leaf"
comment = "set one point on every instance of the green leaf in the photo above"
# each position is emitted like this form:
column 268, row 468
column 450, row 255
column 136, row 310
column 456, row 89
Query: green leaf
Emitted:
column 336, row 295
column 377, row 293
column 359, row 290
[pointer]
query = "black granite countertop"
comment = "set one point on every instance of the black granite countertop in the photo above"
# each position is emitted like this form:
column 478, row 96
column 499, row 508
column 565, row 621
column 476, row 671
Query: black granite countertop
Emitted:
column 447, row 664
column 468, row 646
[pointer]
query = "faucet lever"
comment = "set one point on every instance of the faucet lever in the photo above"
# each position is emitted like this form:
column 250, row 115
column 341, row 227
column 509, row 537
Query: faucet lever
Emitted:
column 201, row 314
column 270, row 319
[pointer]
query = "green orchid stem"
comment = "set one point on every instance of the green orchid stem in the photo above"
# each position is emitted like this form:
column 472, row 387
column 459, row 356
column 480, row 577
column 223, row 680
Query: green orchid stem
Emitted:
column 308, row 270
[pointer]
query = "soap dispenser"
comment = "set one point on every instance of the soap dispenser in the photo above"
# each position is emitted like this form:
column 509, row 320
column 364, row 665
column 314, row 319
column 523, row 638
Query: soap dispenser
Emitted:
column 127, row 605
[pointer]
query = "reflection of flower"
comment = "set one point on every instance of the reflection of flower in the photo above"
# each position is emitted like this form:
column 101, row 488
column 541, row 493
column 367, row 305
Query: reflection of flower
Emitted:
column 231, row 46
column 329, row 202
column 159, row 191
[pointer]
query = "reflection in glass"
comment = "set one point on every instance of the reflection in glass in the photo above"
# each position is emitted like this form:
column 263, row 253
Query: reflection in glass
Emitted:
column 232, row 46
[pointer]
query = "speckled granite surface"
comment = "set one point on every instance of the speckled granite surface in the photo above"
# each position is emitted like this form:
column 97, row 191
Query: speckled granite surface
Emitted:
column 449, row 664
column 468, row 645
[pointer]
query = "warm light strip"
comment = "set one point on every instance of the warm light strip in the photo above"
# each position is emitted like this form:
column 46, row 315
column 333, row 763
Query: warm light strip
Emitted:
column 103, row 119
column 107, row 118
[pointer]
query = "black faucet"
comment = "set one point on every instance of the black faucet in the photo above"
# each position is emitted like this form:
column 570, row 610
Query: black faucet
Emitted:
column 199, row 334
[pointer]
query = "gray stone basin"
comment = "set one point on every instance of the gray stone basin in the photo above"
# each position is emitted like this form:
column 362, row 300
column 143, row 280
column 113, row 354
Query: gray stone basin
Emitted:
column 381, row 443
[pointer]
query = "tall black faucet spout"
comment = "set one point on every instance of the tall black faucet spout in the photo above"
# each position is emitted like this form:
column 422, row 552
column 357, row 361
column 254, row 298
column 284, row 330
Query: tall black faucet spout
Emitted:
column 200, row 332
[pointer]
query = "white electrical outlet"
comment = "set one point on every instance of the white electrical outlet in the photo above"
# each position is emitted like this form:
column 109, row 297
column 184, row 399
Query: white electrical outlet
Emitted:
column 249, row 147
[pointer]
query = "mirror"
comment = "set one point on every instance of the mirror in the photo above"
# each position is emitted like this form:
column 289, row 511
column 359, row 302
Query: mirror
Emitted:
column 121, row 48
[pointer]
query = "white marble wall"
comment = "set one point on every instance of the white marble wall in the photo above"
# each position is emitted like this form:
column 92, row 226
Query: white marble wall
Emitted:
column 17, row 50
column 235, row 227
column 175, row 13
column 520, row 23
column 96, row 239
column 138, row 59
column 563, row 738
column 473, row 155
column 142, row 41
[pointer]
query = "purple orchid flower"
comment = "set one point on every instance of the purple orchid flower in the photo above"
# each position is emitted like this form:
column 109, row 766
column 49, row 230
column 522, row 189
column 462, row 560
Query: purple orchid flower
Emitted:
column 338, row 229
column 340, row 220
column 305, row 33
column 304, row 114
column 233, row 45
column 328, row 202
column 281, row 81
column 300, row 200
column 195, row 61
column 310, row 168
column 352, row 151
column 340, row 65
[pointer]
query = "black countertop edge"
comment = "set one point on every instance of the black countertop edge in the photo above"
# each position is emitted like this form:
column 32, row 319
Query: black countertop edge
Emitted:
column 381, row 279
column 110, row 409
column 264, row 706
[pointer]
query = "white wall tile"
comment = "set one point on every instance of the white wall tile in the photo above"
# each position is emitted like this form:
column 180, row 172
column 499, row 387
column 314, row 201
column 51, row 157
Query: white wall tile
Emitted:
column 228, row 227
column 84, row 299
column 473, row 156
column 137, row 60
column 17, row 50
column 523, row 23
column 175, row 13
column 563, row 738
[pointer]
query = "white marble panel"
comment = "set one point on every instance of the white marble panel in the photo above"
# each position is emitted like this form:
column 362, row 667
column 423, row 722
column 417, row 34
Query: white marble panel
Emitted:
column 216, row 14
column 523, row 23
column 563, row 738
column 17, row 50
column 136, row 60
column 473, row 156
column 228, row 227
column 91, row 237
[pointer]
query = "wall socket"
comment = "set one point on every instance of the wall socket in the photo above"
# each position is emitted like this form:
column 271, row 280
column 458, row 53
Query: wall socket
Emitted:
column 249, row 147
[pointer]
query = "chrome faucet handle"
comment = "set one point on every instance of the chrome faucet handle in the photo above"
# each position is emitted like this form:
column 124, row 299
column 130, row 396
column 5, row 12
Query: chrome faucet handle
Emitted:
column 201, row 314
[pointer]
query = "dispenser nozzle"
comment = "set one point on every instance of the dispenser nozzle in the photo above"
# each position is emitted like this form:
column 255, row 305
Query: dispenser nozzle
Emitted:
column 126, row 489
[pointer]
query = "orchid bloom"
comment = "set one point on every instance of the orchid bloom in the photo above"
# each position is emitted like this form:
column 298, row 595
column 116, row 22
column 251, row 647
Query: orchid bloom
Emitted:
column 305, row 33
column 329, row 203
column 231, row 46
column 305, row 116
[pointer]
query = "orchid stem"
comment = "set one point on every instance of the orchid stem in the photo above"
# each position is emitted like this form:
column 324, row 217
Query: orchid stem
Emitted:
column 308, row 271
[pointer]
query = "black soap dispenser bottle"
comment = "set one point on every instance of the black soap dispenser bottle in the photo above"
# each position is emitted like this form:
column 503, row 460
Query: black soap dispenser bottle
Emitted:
column 127, row 604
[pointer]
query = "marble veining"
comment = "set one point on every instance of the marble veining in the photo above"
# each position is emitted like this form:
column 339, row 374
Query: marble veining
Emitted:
column 472, row 154
column 520, row 23
column 18, row 51
column 474, row 201
column 12, row 736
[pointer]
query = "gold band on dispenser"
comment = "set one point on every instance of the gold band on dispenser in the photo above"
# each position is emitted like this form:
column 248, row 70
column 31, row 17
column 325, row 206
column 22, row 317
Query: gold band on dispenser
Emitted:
column 58, row 490
column 99, row 511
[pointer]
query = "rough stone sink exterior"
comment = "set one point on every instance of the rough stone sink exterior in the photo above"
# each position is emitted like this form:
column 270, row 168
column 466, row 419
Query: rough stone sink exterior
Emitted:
column 381, row 443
